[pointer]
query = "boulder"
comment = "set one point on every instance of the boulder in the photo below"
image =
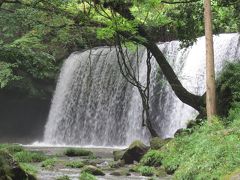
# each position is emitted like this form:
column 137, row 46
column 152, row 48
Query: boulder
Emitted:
column 10, row 169
column 135, row 152
column 93, row 170
column 120, row 173
column 118, row 154
column 157, row 143
column 179, row 132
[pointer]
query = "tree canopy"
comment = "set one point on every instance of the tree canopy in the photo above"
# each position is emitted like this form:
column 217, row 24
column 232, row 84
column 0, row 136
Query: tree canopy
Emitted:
column 36, row 34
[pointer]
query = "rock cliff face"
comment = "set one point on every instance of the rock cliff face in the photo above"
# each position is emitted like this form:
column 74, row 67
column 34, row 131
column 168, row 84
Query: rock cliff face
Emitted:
column 22, row 119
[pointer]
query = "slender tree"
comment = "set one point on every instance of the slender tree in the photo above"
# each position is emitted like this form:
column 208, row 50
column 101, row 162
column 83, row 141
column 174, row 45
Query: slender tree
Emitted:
column 210, row 72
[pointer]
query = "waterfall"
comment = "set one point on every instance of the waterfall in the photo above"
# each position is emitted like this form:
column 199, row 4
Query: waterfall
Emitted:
column 94, row 105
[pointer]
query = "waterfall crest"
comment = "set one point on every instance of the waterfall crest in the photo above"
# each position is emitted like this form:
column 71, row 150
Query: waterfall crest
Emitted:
column 94, row 105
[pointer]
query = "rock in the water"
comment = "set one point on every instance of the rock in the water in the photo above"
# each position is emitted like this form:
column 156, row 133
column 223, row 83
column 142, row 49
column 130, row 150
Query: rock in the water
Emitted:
column 93, row 170
column 10, row 169
column 120, row 173
column 157, row 143
column 135, row 152
column 117, row 155
column 117, row 164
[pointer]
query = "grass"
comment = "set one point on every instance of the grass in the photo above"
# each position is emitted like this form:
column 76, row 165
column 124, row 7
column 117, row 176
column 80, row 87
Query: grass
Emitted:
column 74, row 164
column 11, row 148
column 152, row 158
column 87, row 176
column 210, row 152
column 29, row 157
column 29, row 168
column 77, row 152
column 49, row 163
column 146, row 170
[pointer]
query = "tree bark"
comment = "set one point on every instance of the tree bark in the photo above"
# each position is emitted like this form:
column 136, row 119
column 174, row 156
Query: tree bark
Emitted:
column 210, row 72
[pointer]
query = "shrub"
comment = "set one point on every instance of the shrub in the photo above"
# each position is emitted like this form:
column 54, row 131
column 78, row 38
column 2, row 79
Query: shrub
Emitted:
column 152, row 158
column 75, row 164
column 87, row 176
column 228, row 87
column 28, row 157
column 77, row 152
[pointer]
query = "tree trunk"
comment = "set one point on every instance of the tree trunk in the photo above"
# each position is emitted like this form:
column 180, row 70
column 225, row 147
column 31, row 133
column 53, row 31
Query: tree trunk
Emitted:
column 210, row 72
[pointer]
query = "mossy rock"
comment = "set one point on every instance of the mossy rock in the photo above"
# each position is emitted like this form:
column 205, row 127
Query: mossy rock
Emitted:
column 118, row 154
column 157, row 143
column 93, row 170
column 10, row 169
column 116, row 164
column 135, row 152
column 72, row 152
column 160, row 172
column 179, row 132
column 120, row 173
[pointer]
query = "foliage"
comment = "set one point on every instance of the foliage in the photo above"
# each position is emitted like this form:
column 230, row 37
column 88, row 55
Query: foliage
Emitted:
column 29, row 168
column 77, row 152
column 146, row 170
column 11, row 148
column 152, row 158
column 35, row 35
column 5, row 171
column 75, row 164
column 49, row 163
column 28, row 157
column 229, row 88
column 210, row 152
column 87, row 176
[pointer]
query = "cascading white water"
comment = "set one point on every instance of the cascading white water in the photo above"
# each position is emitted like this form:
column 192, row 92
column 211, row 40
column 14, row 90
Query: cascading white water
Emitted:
column 94, row 105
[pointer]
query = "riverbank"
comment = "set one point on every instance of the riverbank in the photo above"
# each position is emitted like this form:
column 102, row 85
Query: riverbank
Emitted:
column 48, row 163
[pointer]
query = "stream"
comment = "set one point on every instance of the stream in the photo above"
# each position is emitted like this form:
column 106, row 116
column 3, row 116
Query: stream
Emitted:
column 104, row 158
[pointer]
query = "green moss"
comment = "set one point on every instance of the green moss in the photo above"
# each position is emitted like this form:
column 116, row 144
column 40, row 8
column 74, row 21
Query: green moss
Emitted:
column 28, row 157
column 77, row 152
column 157, row 143
column 93, row 170
column 75, row 164
column 87, row 176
